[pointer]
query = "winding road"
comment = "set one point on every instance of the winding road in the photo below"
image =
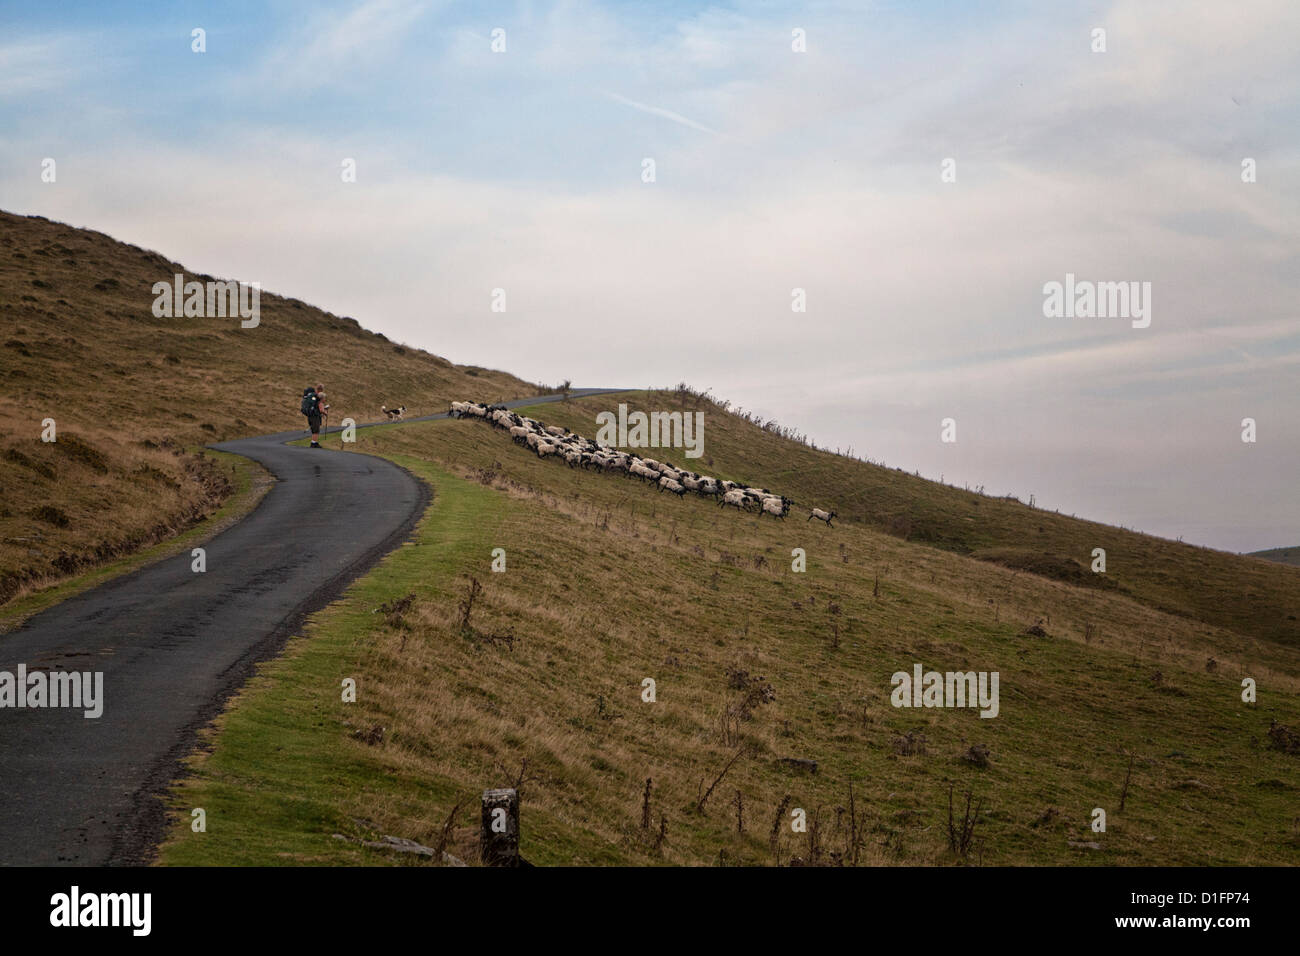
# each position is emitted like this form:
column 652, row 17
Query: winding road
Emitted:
column 173, row 645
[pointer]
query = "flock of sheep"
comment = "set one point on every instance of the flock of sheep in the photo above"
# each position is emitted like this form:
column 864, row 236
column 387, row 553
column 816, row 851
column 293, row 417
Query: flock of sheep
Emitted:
column 578, row 452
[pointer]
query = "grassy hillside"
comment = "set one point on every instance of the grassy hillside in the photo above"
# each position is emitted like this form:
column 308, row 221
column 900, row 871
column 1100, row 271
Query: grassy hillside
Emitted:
column 1110, row 702
column 132, row 395
column 1289, row 556
column 1252, row 597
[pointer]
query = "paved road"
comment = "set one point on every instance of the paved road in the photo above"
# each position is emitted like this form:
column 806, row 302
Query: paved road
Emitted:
column 173, row 645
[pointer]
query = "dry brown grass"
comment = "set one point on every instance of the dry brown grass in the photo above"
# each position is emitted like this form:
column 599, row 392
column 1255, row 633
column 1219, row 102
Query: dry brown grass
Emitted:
column 609, row 582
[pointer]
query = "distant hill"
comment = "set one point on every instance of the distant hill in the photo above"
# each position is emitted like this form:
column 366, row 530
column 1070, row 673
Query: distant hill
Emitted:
column 129, row 392
column 1280, row 555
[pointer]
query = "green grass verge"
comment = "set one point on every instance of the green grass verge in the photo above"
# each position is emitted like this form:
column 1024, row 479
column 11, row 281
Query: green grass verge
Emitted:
column 279, row 772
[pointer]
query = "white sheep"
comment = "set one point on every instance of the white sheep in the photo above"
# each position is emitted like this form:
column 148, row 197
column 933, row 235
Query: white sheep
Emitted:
column 667, row 484
column 822, row 516
column 734, row 497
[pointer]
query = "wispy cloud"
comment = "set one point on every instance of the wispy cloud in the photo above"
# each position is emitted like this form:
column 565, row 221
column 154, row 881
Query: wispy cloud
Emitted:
column 40, row 65
column 330, row 47
column 661, row 112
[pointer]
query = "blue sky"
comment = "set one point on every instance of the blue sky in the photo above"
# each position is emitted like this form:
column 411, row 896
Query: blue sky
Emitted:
column 774, row 170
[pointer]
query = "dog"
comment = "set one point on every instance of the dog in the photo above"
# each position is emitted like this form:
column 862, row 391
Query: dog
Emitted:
column 394, row 414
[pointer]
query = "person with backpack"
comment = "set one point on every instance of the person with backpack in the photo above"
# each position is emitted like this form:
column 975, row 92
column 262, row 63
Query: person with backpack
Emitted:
column 313, row 406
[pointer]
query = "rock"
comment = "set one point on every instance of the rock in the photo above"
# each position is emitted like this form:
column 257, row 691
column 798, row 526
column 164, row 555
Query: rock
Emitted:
column 799, row 763
column 401, row 845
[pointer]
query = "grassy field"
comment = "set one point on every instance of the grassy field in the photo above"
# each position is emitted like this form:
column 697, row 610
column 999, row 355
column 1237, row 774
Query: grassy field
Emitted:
column 1129, row 699
column 129, row 393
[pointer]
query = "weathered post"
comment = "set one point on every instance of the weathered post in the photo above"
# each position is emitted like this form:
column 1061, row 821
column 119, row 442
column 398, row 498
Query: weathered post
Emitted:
column 499, row 839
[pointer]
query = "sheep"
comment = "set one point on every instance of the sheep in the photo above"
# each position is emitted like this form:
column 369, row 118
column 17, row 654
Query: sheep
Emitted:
column 734, row 497
column 667, row 484
column 611, row 463
column 554, row 440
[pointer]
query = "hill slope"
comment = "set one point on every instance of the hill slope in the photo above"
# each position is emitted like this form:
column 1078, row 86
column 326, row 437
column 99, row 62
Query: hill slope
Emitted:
column 1111, row 704
column 1289, row 556
column 130, row 392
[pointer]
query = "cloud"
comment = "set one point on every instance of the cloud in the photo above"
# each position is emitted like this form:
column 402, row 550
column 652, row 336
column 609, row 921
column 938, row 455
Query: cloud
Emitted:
column 40, row 66
column 660, row 111
column 819, row 171
column 330, row 48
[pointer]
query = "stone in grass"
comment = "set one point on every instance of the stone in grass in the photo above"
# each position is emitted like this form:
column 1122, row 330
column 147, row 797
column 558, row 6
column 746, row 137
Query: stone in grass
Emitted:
column 799, row 763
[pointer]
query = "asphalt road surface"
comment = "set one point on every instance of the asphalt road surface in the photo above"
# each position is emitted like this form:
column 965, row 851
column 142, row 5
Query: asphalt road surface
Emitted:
column 173, row 644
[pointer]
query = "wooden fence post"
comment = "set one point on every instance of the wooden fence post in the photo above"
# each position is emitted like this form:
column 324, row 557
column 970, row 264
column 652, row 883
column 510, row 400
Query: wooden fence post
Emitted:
column 499, row 837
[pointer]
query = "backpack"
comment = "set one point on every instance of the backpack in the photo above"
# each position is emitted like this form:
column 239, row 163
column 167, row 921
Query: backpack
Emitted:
column 308, row 401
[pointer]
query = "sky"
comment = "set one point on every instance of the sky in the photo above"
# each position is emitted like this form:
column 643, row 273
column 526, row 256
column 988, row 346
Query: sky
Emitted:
column 921, row 170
